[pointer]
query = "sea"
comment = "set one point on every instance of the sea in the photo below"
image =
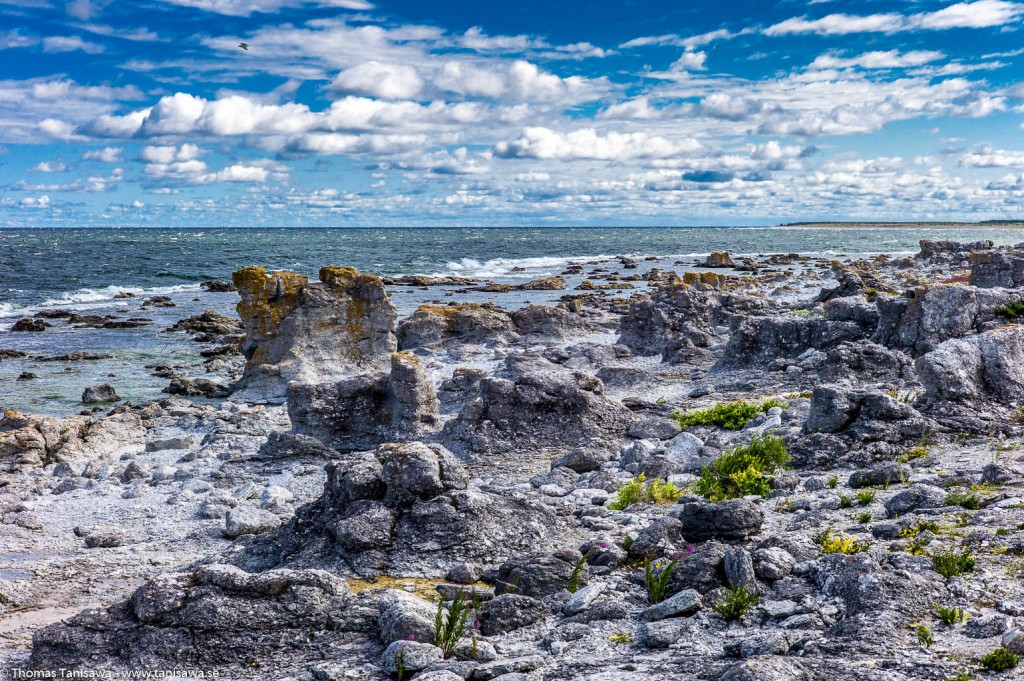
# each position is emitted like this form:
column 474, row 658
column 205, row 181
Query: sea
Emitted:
column 82, row 270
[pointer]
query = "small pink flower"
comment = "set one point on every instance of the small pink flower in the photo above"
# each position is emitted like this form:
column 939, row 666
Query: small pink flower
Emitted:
column 691, row 548
column 603, row 546
column 412, row 637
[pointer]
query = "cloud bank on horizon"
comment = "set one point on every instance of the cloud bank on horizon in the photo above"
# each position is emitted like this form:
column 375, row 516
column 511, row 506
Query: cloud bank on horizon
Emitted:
column 360, row 112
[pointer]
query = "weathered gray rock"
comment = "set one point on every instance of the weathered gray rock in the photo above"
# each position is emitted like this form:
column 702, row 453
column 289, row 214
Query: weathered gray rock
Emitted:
column 884, row 474
column 731, row 519
column 925, row 317
column 582, row 599
column 365, row 411
column 682, row 604
column 739, row 568
column 458, row 323
column 382, row 519
column 772, row 564
column 29, row 441
column 766, row 669
column 758, row 340
column 996, row 268
column 97, row 394
column 509, row 612
column 548, row 323
column 217, row 612
column 985, row 366
column 409, row 656
column 538, row 574
column 404, row 617
column 313, row 332
column 243, row 520
column 535, row 403
column 104, row 539
column 915, row 497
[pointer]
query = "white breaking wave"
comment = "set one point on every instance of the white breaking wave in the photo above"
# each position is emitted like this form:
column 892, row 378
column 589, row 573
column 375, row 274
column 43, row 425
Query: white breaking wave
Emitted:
column 503, row 267
column 88, row 299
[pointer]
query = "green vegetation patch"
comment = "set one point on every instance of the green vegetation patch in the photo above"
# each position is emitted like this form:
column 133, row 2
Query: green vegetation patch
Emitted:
column 743, row 470
column 728, row 415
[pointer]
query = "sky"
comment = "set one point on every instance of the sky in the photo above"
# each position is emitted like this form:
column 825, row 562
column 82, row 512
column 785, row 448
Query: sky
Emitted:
column 459, row 112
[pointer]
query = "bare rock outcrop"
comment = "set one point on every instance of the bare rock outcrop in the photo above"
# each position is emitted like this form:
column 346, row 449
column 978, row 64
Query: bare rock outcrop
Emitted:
column 364, row 411
column 535, row 403
column 30, row 441
column 461, row 323
column 296, row 330
column 403, row 509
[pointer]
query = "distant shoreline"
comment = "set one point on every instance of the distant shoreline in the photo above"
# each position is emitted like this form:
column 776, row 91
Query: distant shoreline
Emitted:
column 991, row 224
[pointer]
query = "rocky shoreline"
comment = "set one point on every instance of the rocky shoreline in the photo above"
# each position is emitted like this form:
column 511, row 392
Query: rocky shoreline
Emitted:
column 778, row 468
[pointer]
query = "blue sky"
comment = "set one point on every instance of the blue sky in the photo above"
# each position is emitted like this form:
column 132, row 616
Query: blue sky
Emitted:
column 379, row 112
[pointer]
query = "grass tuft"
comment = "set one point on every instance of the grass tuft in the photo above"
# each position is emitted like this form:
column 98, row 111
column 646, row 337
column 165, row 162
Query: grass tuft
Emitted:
column 728, row 415
column 639, row 490
column 743, row 470
column 736, row 603
column 953, row 563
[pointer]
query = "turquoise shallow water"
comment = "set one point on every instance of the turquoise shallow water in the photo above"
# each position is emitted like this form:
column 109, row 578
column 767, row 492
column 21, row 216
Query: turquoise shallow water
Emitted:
column 82, row 270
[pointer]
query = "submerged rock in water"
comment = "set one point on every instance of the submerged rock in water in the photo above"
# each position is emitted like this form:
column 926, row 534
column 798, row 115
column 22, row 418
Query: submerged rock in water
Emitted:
column 309, row 332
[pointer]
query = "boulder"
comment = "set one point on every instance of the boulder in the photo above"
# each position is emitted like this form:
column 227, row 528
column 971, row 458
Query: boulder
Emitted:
column 915, row 497
column 365, row 411
column 296, row 330
column 718, row 259
column 509, row 612
column 457, row 323
column 682, row 604
column 997, row 268
column 409, row 656
column 538, row 574
column 28, row 441
column 534, row 403
column 884, row 474
column 987, row 366
column 243, row 520
column 734, row 519
column 548, row 323
column 758, row 340
column 98, row 394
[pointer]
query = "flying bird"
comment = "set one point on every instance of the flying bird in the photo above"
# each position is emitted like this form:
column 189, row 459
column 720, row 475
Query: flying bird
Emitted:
column 244, row 46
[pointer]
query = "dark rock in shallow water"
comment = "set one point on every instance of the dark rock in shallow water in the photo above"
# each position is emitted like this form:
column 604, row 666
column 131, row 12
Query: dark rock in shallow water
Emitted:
column 198, row 387
column 365, row 411
column 28, row 324
column 99, row 394
column 535, row 403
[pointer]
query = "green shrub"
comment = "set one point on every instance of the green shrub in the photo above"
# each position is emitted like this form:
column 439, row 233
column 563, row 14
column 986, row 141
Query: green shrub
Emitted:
column 621, row 638
column 845, row 501
column 728, row 415
column 863, row 517
column 924, row 635
column 743, row 470
column 840, row 543
column 912, row 453
column 865, row 496
column 949, row 616
column 736, row 603
column 953, row 563
column 999, row 660
column 1013, row 309
column 639, row 490
column 833, row 481
column 968, row 500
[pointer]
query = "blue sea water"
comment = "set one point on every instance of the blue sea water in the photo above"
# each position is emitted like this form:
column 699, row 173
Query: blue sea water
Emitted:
column 82, row 270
